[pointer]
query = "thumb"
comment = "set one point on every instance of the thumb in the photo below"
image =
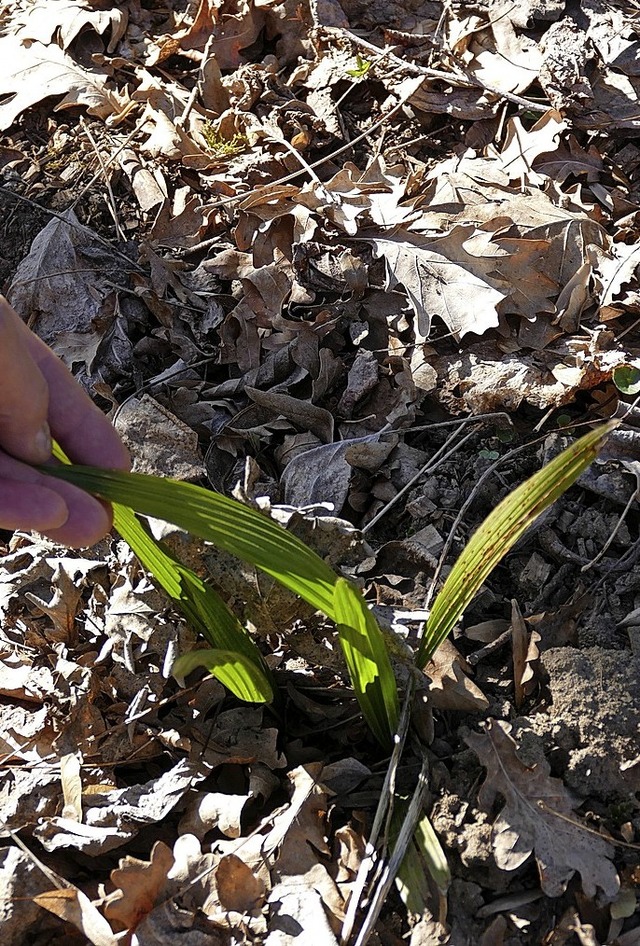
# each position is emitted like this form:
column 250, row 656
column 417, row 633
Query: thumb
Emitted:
column 24, row 394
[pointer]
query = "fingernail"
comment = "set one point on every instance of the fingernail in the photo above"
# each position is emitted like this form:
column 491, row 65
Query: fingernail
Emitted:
column 42, row 442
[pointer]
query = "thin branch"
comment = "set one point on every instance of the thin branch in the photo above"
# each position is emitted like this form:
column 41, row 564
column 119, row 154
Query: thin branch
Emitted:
column 111, row 202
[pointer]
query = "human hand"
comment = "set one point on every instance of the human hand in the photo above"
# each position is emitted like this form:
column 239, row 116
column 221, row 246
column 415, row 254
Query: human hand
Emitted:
column 39, row 398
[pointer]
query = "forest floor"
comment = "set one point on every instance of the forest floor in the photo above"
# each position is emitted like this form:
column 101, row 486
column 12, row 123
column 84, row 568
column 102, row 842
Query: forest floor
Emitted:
column 375, row 262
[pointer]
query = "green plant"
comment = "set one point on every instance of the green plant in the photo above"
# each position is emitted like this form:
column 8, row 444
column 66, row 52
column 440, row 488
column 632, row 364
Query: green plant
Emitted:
column 254, row 538
column 360, row 69
column 501, row 530
column 627, row 379
column 221, row 147
column 251, row 536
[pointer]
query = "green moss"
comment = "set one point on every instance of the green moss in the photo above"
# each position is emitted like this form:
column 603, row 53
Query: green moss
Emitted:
column 221, row 147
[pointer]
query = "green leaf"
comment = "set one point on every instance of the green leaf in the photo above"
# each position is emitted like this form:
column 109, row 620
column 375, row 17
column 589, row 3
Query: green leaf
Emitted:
column 627, row 379
column 242, row 531
column 203, row 608
column 253, row 538
column 234, row 670
column 424, row 855
column 367, row 661
column 202, row 605
column 361, row 68
column 501, row 530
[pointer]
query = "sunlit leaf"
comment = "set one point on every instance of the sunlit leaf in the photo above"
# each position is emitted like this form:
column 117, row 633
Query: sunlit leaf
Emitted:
column 627, row 379
column 367, row 661
column 362, row 66
column 203, row 608
column 236, row 528
column 232, row 669
column 202, row 605
column 501, row 530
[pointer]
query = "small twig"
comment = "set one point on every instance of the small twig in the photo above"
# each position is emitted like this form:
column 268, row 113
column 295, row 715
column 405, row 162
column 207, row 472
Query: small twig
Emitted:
column 70, row 223
column 508, row 96
column 634, row 496
column 475, row 419
column 459, row 76
column 432, row 464
column 60, row 272
column 51, row 876
column 111, row 202
column 489, row 648
column 304, row 164
column 468, row 501
column 182, row 119
column 107, row 164
column 405, row 836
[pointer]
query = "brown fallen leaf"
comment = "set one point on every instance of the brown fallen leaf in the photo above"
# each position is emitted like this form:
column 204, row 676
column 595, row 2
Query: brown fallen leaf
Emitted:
column 30, row 73
column 436, row 285
column 138, row 886
column 323, row 474
column 519, row 647
column 73, row 906
column 451, row 686
column 238, row 887
column 63, row 288
column 67, row 18
column 538, row 817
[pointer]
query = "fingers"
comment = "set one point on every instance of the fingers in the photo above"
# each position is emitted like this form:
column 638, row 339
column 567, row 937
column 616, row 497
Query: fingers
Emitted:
column 24, row 394
column 39, row 397
column 32, row 500
column 78, row 425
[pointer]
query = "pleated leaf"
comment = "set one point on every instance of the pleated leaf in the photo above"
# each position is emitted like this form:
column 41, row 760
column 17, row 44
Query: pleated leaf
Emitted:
column 234, row 670
column 367, row 661
column 501, row 530
column 202, row 606
column 237, row 529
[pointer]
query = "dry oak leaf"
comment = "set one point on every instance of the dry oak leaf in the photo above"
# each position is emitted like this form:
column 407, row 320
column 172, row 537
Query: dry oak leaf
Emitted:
column 539, row 818
column 436, row 285
column 30, row 73
column 523, row 146
column 139, row 885
column 67, row 18
column 451, row 686
column 74, row 907
column 239, row 890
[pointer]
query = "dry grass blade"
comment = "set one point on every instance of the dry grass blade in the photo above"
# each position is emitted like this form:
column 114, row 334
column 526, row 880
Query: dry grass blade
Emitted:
column 501, row 530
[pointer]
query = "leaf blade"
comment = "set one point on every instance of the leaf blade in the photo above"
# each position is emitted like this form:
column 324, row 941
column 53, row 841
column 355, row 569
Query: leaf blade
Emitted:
column 237, row 672
column 501, row 530
column 368, row 661
column 242, row 531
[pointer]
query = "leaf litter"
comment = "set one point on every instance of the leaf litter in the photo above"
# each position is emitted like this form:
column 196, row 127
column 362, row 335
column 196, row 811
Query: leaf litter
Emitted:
column 288, row 241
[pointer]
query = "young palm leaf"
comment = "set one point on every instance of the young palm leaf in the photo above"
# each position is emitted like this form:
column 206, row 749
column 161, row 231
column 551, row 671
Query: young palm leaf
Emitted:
column 501, row 530
column 203, row 608
column 367, row 660
column 237, row 529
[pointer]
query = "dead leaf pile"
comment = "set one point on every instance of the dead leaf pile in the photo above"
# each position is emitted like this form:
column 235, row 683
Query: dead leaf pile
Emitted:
column 286, row 242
